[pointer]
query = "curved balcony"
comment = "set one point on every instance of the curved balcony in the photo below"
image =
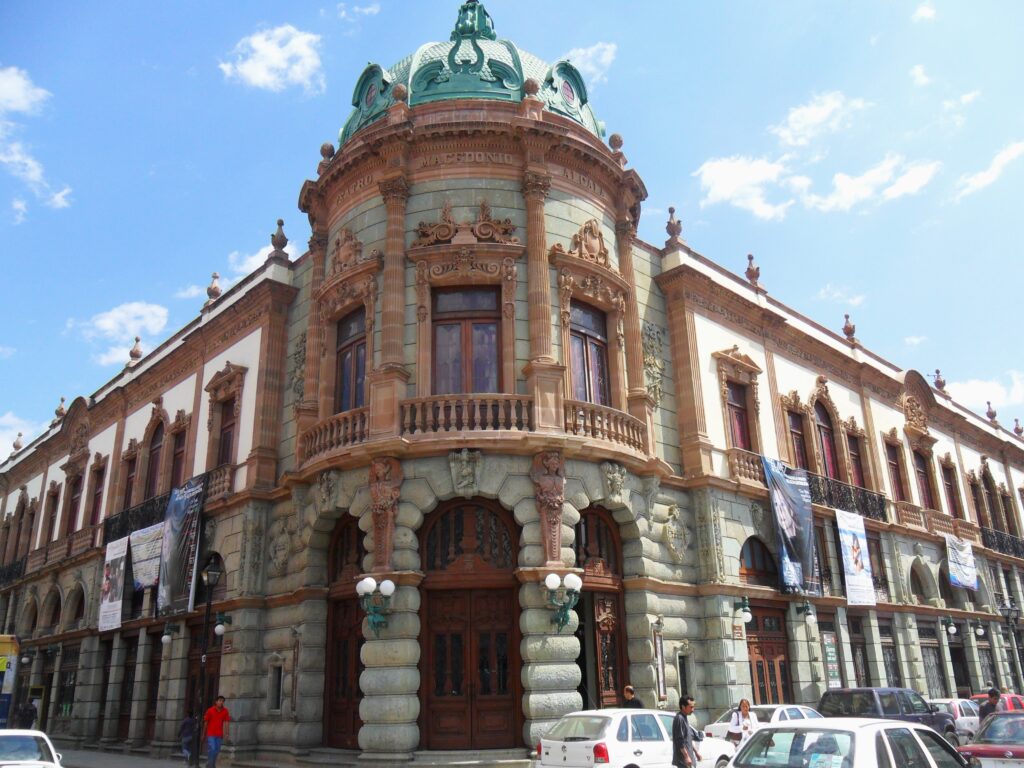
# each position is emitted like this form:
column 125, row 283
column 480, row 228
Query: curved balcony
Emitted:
column 221, row 482
column 602, row 423
column 338, row 431
column 467, row 413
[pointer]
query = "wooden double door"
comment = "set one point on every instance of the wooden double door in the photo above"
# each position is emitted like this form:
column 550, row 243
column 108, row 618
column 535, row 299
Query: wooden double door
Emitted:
column 768, row 649
column 470, row 669
column 344, row 666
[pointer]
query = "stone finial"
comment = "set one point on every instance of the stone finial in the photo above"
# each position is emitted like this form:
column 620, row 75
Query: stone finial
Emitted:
column 135, row 353
column 991, row 412
column 213, row 290
column 753, row 271
column 674, row 226
column 278, row 239
column 849, row 329
column 615, row 141
column 18, row 444
column 531, row 87
column 326, row 155
column 58, row 413
column 1018, row 430
column 400, row 93
column 940, row 383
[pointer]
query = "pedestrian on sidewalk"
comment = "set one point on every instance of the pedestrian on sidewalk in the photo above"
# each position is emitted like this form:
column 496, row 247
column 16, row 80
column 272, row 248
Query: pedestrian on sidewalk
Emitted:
column 186, row 734
column 215, row 728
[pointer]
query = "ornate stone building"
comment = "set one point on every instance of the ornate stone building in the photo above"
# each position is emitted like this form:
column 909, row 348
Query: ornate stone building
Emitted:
column 478, row 376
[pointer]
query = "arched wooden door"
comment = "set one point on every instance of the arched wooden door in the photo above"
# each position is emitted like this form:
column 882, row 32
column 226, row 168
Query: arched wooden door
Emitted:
column 601, row 631
column 768, row 648
column 469, row 677
column 344, row 639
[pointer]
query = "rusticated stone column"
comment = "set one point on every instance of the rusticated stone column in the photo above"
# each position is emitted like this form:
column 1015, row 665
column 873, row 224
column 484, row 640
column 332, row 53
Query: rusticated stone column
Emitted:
column 641, row 406
column 395, row 193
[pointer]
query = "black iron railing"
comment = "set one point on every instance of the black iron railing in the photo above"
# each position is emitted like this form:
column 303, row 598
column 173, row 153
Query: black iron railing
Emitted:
column 12, row 571
column 149, row 512
column 1006, row 543
column 839, row 495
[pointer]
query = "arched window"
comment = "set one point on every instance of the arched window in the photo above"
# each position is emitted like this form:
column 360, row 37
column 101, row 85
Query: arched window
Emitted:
column 467, row 348
column 923, row 470
column 349, row 382
column 156, row 446
column 588, row 354
column 757, row 566
column 597, row 544
column 827, row 441
column 471, row 533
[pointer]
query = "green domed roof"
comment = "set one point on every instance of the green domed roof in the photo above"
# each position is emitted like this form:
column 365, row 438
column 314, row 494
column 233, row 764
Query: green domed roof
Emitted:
column 473, row 64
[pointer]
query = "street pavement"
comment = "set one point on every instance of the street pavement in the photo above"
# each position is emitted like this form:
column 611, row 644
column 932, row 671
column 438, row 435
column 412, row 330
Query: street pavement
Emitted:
column 87, row 758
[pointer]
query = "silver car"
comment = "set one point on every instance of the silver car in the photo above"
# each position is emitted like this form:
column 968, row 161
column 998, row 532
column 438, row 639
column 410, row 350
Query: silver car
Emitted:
column 765, row 713
column 964, row 712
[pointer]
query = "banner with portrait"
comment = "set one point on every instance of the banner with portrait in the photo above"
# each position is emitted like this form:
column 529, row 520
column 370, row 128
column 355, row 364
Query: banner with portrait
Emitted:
column 853, row 543
column 960, row 558
column 146, row 545
column 112, row 587
column 180, row 547
column 794, row 526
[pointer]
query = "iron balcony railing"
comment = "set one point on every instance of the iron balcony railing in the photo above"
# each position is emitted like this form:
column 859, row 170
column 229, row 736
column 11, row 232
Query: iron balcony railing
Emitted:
column 1006, row 543
column 850, row 498
column 149, row 512
column 12, row 571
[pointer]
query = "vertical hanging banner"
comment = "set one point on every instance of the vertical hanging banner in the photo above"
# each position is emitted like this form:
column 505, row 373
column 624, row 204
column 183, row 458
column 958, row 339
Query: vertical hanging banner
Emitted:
column 112, row 589
column 180, row 547
column 960, row 557
column 832, row 672
column 147, row 545
column 794, row 526
column 860, row 586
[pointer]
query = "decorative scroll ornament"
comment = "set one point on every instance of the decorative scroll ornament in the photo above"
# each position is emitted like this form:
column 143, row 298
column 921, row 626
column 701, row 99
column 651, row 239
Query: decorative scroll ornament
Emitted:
column 548, row 476
column 587, row 244
column 676, row 535
column 485, row 229
column 614, row 482
column 465, row 466
column 654, row 361
column 385, row 485
column 348, row 251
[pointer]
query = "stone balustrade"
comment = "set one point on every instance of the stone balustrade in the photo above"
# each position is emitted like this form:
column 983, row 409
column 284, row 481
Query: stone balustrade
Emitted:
column 465, row 413
column 745, row 466
column 967, row 530
column 602, row 423
column 36, row 560
column 938, row 522
column 909, row 514
column 338, row 431
column 221, row 482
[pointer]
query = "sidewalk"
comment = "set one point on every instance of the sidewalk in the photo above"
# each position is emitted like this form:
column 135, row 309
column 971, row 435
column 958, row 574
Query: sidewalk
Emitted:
column 89, row 758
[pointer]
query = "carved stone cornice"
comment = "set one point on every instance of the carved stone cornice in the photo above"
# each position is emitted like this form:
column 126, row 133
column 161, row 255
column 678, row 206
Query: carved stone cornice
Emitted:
column 394, row 190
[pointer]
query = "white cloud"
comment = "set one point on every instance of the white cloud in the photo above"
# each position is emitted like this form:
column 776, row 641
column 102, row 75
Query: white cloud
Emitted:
column 919, row 76
column 20, row 208
column 21, row 164
column 190, row 292
column 116, row 355
column 593, row 62
column 119, row 326
column 961, row 101
column 839, row 295
column 356, row 11
column 60, row 199
column 741, row 182
column 243, row 263
column 848, row 191
column 914, row 341
column 6, row 352
column 924, row 12
column 915, row 178
column 974, row 393
column 824, row 113
column 11, row 425
column 276, row 59
column 18, row 93
column 969, row 184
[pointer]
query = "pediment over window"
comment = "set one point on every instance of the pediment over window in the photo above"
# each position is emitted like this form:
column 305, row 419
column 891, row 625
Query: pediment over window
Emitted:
column 486, row 229
column 587, row 245
column 739, row 361
column 341, row 296
column 593, row 285
column 226, row 381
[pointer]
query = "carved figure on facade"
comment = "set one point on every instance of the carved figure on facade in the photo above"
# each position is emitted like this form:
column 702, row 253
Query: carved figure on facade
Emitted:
column 297, row 370
column 614, row 482
column 326, row 485
column 251, row 556
column 283, row 542
column 595, row 288
column 709, row 539
column 465, row 467
column 605, row 613
column 348, row 251
column 587, row 244
column 486, row 229
column 548, row 476
column 385, row 487
column 651, row 486
column 676, row 535
column 654, row 361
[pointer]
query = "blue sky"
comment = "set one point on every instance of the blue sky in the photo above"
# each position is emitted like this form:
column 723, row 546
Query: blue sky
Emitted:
column 869, row 154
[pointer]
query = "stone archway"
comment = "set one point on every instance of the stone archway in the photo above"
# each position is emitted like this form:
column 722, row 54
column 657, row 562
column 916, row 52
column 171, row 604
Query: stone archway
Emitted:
column 926, row 590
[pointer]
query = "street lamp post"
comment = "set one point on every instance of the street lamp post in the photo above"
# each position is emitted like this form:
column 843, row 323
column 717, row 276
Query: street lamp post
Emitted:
column 210, row 574
column 1011, row 613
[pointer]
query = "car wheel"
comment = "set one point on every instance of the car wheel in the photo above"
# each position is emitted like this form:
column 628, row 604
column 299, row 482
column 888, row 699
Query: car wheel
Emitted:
column 952, row 738
column 722, row 762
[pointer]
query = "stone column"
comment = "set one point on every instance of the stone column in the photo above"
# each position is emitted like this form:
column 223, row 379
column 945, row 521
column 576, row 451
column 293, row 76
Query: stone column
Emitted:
column 52, row 714
column 242, row 673
column 724, row 677
column 545, row 378
column 806, row 668
column 641, row 405
column 905, row 635
column 845, row 648
column 137, row 727
column 947, row 661
column 171, row 706
column 387, row 382
column 86, row 708
column 974, row 670
column 874, row 650
column 308, row 411
column 113, row 707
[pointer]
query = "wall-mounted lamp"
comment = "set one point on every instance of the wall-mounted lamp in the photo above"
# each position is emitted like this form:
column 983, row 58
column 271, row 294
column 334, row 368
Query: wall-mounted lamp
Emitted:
column 979, row 628
column 949, row 626
column 219, row 628
column 563, row 594
column 375, row 601
column 28, row 655
column 1010, row 612
column 170, row 629
column 807, row 611
column 744, row 606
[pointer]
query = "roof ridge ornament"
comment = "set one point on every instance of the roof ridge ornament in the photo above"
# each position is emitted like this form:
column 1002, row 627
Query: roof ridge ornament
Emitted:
column 473, row 23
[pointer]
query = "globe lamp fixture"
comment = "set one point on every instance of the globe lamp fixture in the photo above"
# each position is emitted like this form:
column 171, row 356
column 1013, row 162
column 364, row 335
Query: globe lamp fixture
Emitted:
column 563, row 594
column 375, row 600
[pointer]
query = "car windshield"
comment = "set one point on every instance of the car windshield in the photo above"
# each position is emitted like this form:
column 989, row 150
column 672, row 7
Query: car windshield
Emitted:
column 24, row 747
column 578, row 728
column 849, row 704
column 944, row 706
column 783, row 747
column 1002, row 729
column 764, row 714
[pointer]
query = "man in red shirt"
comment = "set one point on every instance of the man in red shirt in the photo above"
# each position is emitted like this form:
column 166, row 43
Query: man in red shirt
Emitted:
column 215, row 727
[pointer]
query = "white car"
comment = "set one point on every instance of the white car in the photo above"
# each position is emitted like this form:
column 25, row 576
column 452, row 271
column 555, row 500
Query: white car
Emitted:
column 765, row 713
column 27, row 749
column 847, row 742
column 965, row 712
column 620, row 738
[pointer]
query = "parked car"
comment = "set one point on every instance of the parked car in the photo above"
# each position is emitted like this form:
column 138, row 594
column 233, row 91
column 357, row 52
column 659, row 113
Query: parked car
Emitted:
column 621, row 738
column 1008, row 702
column 32, row 749
column 766, row 713
column 998, row 743
column 964, row 712
column 847, row 742
column 889, row 704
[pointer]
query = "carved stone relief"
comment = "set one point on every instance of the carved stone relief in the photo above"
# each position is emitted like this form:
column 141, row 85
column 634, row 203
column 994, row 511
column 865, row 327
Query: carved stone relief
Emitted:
column 676, row 535
column 326, row 485
column 548, row 476
column 587, row 244
column 283, row 542
column 385, row 484
column 348, row 252
column 654, row 361
column 652, row 485
column 297, row 369
column 252, row 556
column 595, row 288
column 709, row 539
column 465, row 467
column 614, row 482
column 485, row 229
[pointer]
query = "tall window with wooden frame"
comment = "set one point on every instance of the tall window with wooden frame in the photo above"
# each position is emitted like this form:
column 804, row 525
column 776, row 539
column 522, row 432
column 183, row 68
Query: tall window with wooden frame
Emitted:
column 854, row 445
column 988, row 492
column 75, row 488
column 925, row 479
column 226, row 433
column 350, row 377
column 96, row 477
column 952, row 491
column 129, row 482
column 588, row 354
column 156, row 447
column 757, row 566
column 225, row 407
column 797, row 439
column 894, row 463
column 980, row 512
column 878, row 575
column 52, row 499
column 737, row 376
column 826, row 441
column 467, row 347
column 739, row 419
column 178, row 458
column 1006, row 501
